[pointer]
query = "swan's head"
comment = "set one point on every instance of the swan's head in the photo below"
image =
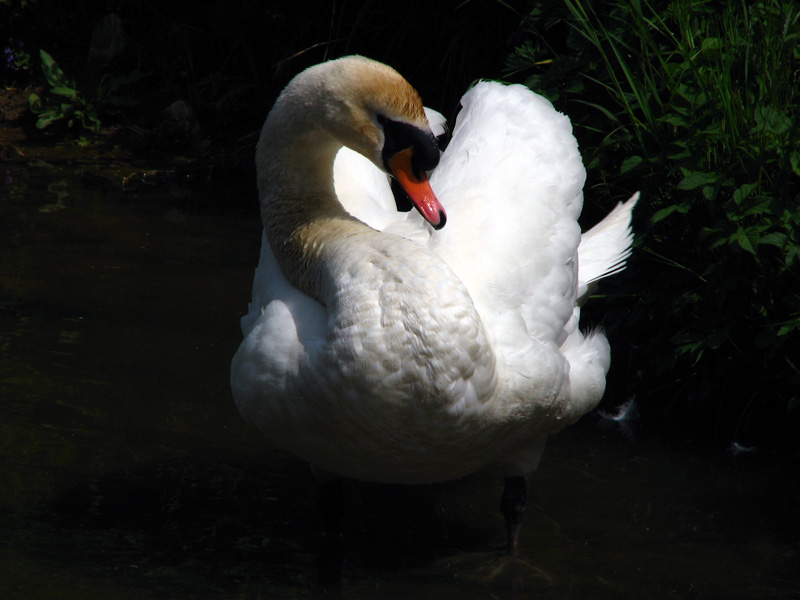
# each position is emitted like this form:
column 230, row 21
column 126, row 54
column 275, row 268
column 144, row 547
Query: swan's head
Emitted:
column 369, row 107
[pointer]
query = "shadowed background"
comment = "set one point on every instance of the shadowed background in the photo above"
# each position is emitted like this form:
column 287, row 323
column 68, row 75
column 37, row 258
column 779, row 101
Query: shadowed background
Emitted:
column 128, row 237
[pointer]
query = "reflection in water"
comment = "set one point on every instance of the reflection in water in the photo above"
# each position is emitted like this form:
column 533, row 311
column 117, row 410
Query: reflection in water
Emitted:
column 127, row 473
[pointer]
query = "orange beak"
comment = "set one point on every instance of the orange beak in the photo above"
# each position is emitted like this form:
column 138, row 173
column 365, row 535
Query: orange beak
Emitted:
column 418, row 188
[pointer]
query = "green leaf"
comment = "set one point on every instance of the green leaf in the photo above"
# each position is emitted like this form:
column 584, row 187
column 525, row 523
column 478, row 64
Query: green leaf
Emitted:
column 709, row 192
column 744, row 241
column 630, row 163
column 791, row 255
column 774, row 239
column 679, row 155
column 34, row 102
column 47, row 117
column 90, row 121
column 712, row 46
column 52, row 72
column 64, row 91
column 771, row 120
column 673, row 119
column 759, row 206
column 795, row 160
column 717, row 243
column 743, row 192
column 697, row 179
column 663, row 213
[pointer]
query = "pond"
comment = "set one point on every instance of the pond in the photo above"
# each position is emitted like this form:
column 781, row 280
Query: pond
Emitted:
column 128, row 473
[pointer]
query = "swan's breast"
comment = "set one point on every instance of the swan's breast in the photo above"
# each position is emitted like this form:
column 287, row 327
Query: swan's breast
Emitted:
column 403, row 327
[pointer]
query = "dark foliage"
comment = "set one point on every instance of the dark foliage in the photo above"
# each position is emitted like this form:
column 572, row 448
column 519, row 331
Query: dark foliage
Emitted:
column 230, row 59
column 695, row 103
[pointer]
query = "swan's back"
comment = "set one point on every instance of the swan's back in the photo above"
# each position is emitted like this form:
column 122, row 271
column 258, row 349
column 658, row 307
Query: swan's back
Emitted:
column 513, row 177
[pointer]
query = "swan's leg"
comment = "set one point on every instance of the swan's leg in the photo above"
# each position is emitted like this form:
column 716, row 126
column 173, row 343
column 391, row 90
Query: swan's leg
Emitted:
column 512, row 504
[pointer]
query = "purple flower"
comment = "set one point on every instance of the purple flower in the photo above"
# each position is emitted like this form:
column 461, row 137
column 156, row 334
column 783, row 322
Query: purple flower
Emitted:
column 16, row 57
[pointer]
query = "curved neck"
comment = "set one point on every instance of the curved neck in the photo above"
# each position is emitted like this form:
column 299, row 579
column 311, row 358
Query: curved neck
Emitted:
column 299, row 207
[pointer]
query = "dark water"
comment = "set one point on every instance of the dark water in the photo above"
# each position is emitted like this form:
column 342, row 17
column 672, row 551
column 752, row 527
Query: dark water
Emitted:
column 126, row 471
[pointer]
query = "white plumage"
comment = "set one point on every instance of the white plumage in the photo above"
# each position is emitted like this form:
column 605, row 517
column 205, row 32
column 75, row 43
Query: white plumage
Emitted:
column 392, row 352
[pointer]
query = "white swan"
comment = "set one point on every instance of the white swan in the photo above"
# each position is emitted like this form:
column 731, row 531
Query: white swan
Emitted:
column 389, row 347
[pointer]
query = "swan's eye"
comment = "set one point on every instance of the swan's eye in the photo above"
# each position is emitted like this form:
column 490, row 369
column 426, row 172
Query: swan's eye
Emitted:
column 399, row 135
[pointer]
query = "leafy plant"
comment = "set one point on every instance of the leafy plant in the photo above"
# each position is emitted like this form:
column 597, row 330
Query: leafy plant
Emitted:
column 16, row 57
column 695, row 102
column 68, row 103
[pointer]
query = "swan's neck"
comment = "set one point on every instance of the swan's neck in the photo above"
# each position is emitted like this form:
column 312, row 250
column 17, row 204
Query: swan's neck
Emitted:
column 302, row 216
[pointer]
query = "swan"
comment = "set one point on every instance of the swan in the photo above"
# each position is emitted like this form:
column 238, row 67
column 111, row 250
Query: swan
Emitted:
column 417, row 347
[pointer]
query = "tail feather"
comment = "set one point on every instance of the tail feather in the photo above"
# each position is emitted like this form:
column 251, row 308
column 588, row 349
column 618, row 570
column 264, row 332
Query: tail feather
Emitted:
column 605, row 247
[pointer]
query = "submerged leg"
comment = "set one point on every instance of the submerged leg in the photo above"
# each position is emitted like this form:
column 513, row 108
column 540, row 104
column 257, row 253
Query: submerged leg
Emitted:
column 512, row 504
column 511, row 571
